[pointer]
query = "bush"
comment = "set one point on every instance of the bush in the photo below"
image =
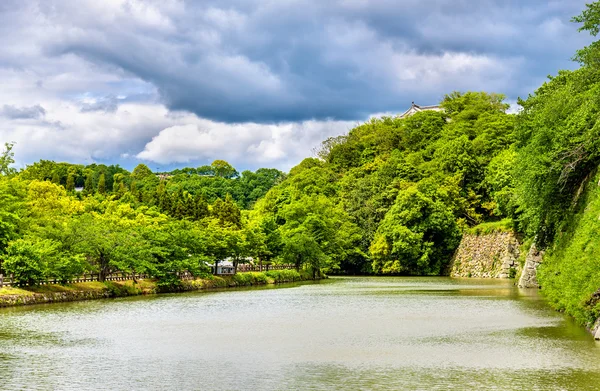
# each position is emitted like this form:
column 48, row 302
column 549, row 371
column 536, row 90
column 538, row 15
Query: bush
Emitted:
column 120, row 290
column 286, row 275
column 242, row 279
column 259, row 278
column 251, row 278
column 169, row 283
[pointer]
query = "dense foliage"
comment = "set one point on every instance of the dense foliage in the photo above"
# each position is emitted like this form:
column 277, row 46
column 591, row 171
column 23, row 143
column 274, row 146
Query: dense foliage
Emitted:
column 556, row 178
column 570, row 275
column 139, row 222
column 393, row 195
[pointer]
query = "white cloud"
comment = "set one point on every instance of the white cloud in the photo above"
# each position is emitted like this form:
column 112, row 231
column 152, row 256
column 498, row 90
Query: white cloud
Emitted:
column 249, row 145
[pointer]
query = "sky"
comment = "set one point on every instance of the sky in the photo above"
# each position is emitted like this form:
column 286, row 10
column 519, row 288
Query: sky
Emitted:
column 173, row 83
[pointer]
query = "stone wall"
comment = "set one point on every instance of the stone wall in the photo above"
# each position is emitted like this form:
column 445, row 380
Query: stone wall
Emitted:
column 532, row 262
column 493, row 255
column 53, row 297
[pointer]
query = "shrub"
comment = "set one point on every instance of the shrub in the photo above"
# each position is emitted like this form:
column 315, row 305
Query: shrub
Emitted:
column 250, row 278
column 286, row 275
column 242, row 279
column 169, row 283
column 120, row 290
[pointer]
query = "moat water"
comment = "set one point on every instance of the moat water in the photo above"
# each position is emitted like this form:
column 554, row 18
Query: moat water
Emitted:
column 340, row 334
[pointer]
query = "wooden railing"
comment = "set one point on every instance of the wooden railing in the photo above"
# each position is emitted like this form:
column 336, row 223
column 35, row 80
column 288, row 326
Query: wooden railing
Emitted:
column 265, row 268
column 8, row 280
column 118, row 276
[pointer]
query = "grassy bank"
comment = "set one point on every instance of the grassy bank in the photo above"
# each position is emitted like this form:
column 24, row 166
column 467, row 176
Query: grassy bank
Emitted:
column 570, row 273
column 505, row 225
column 98, row 290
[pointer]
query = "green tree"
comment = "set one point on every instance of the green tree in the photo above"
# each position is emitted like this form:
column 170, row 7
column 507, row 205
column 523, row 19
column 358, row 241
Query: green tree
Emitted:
column 65, row 266
column 200, row 207
column 56, row 178
column 70, row 182
column 88, row 187
column 102, row 184
column 300, row 247
column 417, row 236
column 227, row 212
column 223, row 169
column 7, row 159
column 221, row 242
column 25, row 261
column 11, row 209
column 499, row 182
column 140, row 172
column 135, row 191
column 270, row 235
column 103, row 239
column 590, row 19
column 558, row 148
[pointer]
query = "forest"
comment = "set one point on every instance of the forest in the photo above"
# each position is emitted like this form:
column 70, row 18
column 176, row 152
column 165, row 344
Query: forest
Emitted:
column 393, row 196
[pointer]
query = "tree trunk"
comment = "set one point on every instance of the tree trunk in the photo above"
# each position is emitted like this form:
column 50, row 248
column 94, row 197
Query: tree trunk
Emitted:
column 103, row 268
column 216, row 265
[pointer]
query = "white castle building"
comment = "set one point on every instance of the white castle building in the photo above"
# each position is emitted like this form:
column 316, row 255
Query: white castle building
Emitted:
column 416, row 108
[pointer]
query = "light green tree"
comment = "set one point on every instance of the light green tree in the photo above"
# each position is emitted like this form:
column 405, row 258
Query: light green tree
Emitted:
column 7, row 159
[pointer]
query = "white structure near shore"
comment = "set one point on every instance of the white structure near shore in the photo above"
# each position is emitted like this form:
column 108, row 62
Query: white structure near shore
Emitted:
column 223, row 268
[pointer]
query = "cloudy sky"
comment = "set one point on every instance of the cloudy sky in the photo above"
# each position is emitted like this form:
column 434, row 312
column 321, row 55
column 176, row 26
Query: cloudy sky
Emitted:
column 176, row 83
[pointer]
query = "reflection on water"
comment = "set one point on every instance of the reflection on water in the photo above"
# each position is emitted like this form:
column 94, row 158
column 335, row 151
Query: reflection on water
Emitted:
column 345, row 333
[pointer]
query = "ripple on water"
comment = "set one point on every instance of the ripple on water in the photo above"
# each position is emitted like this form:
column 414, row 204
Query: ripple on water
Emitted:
column 346, row 333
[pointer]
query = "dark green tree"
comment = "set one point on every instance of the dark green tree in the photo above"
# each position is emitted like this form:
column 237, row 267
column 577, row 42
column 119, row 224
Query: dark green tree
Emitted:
column 200, row 207
column 70, row 182
column 140, row 172
column 88, row 187
column 227, row 212
column 102, row 184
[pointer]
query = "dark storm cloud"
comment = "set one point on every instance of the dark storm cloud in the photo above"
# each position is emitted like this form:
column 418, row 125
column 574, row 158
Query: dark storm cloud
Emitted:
column 31, row 112
column 294, row 60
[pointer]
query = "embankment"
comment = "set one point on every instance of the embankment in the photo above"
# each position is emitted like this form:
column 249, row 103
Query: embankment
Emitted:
column 570, row 274
column 487, row 255
column 102, row 290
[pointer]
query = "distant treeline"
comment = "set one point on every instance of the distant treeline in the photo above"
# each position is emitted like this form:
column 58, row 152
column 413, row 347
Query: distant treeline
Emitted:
column 207, row 182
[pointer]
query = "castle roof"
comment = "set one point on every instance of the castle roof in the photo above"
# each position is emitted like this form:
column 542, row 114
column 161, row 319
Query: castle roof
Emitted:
column 414, row 108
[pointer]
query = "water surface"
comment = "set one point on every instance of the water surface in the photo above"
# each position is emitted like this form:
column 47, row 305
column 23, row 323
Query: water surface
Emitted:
column 344, row 333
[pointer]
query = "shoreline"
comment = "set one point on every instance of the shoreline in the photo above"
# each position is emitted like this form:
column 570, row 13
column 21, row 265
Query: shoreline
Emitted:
column 55, row 293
